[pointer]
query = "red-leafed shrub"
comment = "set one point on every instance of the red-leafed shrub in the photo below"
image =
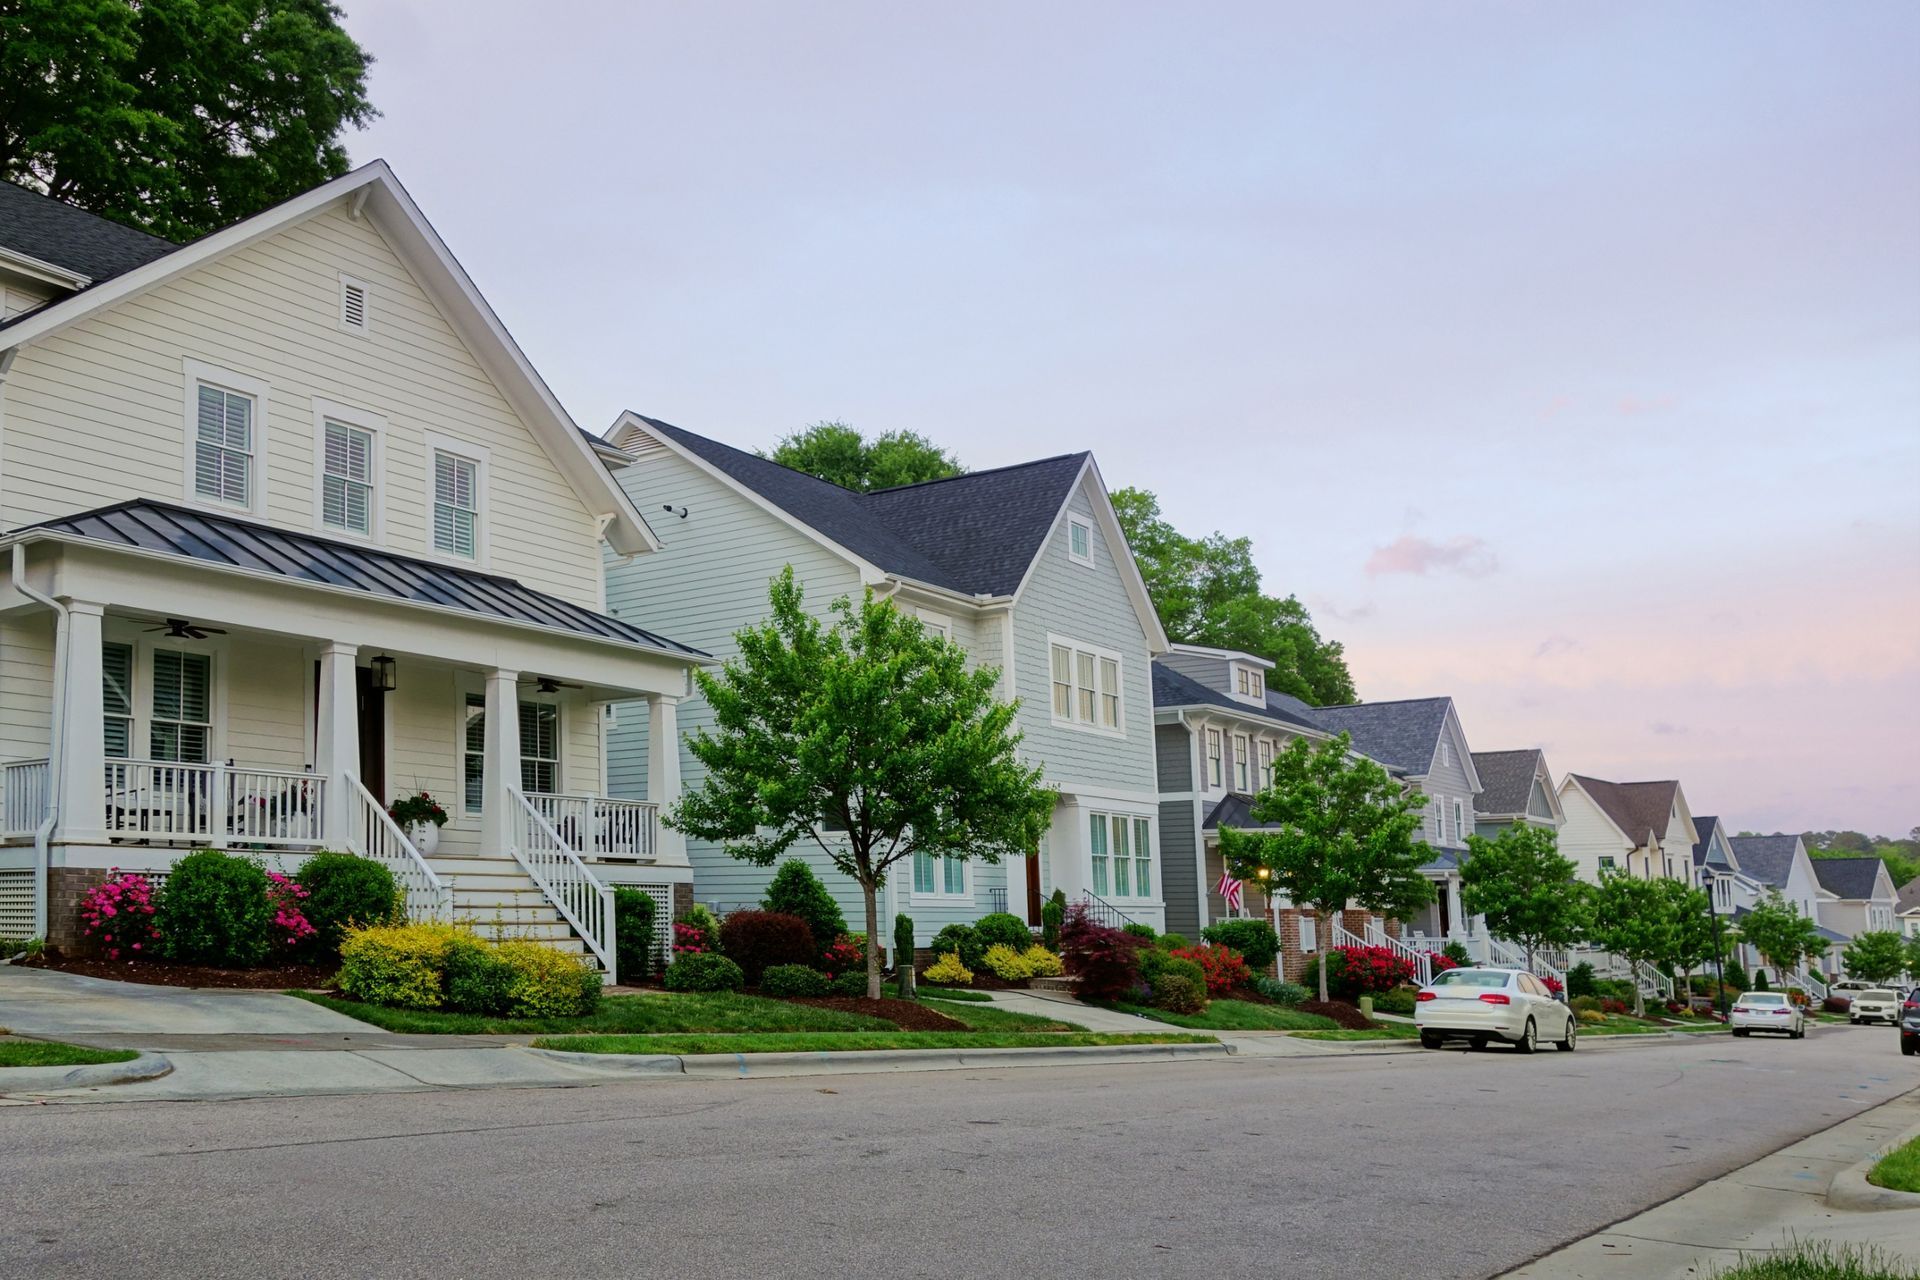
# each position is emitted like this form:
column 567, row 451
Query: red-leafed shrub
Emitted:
column 844, row 956
column 1104, row 961
column 755, row 940
column 1224, row 967
column 1441, row 961
column 1557, row 987
column 1615, row 1006
column 1353, row 972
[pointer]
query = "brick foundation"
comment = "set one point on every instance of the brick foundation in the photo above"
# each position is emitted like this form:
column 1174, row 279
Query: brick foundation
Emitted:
column 682, row 899
column 67, row 887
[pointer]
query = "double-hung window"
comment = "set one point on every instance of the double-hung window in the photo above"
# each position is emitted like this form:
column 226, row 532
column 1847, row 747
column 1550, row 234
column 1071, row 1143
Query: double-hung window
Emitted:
column 1122, row 851
column 1080, row 540
column 116, row 693
column 1086, row 686
column 1097, row 843
column 1266, row 764
column 182, row 723
column 539, row 747
column 1142, row 858
column 223, row 444
column 1215, row 768
column 346, row 481
column 456, row 505
column 1062, row 682
column 1258, row 682
column 939, row 877
column 1242, row 763
column 1459, row 820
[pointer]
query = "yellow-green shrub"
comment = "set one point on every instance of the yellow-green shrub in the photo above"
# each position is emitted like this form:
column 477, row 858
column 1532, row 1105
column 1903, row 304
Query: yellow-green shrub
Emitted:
column 1007, row 964
column 1042, row 963
column 399, row 964
column 548, row 983
column 948, row 971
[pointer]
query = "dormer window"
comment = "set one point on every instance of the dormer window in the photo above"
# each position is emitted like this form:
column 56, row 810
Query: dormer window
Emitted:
column 1080, row 540
column 1250, row 683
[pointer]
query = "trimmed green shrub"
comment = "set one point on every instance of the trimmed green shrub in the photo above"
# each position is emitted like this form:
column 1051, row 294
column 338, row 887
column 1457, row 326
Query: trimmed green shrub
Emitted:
column 902, row 942
column 1053, row 914
column 849, row 984
column 1172, row 942
column 1400, row 1000
column 633, row 913
column 477, row 978
column 1176, row 967
column 796, row 891
column 700, row 917
column 1178, row 993
column 797, row 980
column 1287, row 993
column 703, row 971
column 1585, row 1004
column 1255, row 940
column 1457, row 952
column 1737, row 977
column 549, row 983
column 1580, row 981
column 756, row 939
column 963, row 939
column 402, row 965
column 214, row 910
column 1759, row 980
column 1144, row 932
column 1005, row 929
column 344, row 889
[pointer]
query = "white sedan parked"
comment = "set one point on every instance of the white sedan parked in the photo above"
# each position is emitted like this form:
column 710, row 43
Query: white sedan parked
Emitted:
column 1482, row 1005
column 1768, row 1011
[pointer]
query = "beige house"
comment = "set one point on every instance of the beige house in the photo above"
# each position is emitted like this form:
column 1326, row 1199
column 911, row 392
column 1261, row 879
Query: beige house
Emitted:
column 1642, row 828
column 291, row 529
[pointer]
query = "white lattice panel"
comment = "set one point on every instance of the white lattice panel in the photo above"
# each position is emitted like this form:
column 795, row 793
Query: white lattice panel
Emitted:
column 16, row 904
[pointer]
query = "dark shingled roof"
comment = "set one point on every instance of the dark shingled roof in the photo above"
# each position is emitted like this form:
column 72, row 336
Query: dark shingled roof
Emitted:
column 1401, row 735
column 1506, row 780
column 1233, row 810
column 1768, row 859
column 81, row 242
column 1848, row 877
column 1172, row 688
column 976, row 533
column 1908, row 898
column 302, row 557
column 1701, row 851
column 1635, row 807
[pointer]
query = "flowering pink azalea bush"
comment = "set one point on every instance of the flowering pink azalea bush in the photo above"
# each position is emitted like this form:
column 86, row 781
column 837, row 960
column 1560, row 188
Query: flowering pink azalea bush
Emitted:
column 689, row 939
column 290, row 925
column 118, row 914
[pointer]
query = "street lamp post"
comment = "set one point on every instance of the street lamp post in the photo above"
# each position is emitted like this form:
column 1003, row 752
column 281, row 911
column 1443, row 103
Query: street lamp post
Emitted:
column 1719, row 952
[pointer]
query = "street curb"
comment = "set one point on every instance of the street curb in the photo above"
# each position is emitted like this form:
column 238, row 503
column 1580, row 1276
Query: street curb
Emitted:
column 735, row 1066
column 628, row 1064
column 148, row 1066
column 1851, row 1190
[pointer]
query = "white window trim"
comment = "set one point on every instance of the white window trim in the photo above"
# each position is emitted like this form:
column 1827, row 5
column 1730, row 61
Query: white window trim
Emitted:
column 1242, row 762
column 365, row 328
column 1080, row 522
column 216, row 648
column 1131, row 817
column 375, row 425
column 197, row 372
column 1071, row 720
column 1459, row 821
column 473, row 686
column 916, row 895
column 482, row 458
column 1211, row 778
column 940, row 623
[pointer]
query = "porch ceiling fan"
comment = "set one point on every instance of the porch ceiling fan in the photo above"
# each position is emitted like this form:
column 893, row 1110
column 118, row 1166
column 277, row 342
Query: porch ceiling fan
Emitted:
column 182, row 628
column 547, row 684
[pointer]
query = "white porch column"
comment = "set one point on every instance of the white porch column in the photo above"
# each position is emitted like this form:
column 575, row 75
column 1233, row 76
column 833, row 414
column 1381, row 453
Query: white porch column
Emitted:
column 83, row 752
column 1455, row 916
column 663, row 771
column 337, row 736
column 502, row 762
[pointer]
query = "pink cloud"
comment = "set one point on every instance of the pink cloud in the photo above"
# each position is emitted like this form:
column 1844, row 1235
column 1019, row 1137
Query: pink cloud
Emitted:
column 1410, row 553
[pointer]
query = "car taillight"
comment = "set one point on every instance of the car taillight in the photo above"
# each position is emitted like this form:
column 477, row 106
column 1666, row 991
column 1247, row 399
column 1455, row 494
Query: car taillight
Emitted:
column 1781, row 1013
column 1426, row 995
column 1495, row 997
column 1740, row 1008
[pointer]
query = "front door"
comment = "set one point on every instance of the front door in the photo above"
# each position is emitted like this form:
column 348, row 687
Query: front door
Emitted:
column 373, row 734
column 1443, row 901
column 1033, row 887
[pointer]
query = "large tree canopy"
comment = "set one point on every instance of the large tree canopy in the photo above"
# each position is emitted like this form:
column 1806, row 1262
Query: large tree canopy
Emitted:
column 1523, row 886
column 1207, row 591
column 835, row 451
column 177, row 116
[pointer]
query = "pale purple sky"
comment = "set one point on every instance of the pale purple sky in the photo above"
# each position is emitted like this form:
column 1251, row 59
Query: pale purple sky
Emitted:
column 1563, row 359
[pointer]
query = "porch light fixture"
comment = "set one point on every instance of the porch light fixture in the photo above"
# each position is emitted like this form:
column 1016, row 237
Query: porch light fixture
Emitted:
column 1265, row 873
column 384, row 676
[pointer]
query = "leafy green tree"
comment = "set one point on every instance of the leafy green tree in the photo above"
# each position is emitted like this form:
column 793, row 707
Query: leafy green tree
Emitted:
column 1692, row 943
column 1345, row 835
column 1776, row 929
column 835, row 451
column 177, row 116
column 1524, row 888
column 1633, row 919
column 1207, row 591
column 1877, row 956
column 868, row 736
column 1913, row 956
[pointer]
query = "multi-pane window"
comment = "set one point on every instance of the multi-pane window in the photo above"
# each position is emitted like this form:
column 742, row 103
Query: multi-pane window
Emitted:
column 1084, row 692
column 1097, row 842
column 1122, row 849
column 1459, row 821
column 539, row 747
column 1079, row 540
column 182, row 706
column 1122, row 859
column 1062, row 682
column 1215, row 768
column 1606, row 864
column 1309, row 931
column 1266, row 764
column 223, row 445
column 1439, row 821
column 1086, row 686
column 346, row 483
column 1142, row 858
column 473, row 753
column 116, row 694
column 1241, row 683
column 933, row 875
column 1258, row 682
column 1110, row 693
column 456, row 505
column 1249, row 683
column 1242, row 762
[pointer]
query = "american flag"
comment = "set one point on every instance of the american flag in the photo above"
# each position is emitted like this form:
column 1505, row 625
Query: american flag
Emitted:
column 1229, row 888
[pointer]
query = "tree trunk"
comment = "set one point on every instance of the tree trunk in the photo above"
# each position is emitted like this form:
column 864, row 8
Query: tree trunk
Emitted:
column 1639, row 996
column 873, row 938
column 1323, row 975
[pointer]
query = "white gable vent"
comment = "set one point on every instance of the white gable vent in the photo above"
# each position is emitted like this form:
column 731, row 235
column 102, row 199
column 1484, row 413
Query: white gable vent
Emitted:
column 353, row 305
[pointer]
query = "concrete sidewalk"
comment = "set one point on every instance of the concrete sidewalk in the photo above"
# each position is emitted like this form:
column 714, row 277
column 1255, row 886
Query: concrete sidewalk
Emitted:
column 1752, row 1210
column 67, row 1006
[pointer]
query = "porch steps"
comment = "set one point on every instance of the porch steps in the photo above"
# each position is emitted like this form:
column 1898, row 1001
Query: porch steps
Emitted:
column 498, row 900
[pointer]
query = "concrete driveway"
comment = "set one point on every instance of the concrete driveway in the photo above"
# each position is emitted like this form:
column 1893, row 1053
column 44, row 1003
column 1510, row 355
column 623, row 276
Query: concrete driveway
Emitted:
column 39, row 1002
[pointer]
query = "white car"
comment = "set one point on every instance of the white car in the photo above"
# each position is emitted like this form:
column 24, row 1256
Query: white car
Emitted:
column 1482, row 1005
column 1874, row 1004
column 1767, row 1011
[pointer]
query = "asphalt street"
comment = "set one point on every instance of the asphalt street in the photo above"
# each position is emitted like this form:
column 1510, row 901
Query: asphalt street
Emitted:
column 1436, row 1164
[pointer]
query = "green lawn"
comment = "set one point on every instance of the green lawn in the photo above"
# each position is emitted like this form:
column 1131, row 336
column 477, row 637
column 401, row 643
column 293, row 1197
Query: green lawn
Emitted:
column 1384, row 1031
column 719, row 1011
column 1235, row 1015
column 850, row 1040
column 1819, row 1260
column 985, row 1017
column 1899, row 1169
column 940, row 993
column 49, row 1053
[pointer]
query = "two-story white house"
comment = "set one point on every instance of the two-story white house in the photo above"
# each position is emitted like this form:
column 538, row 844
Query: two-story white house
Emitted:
column 1780, row 864
column 1025, row 567
column 1642, row 828
column 292, row 528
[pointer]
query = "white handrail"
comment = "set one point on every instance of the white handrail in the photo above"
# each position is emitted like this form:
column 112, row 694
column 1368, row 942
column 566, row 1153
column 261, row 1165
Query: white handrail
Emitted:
column 215, row 804
column 378, row 838
column 601, row 827
column 1378, row 936
column 24, row 795
column 580, row 898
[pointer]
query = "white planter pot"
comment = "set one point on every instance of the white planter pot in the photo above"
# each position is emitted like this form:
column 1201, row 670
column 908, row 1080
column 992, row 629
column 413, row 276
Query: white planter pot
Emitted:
column 424, row 836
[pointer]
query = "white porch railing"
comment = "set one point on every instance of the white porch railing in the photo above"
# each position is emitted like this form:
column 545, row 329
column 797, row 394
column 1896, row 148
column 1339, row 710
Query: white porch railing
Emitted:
column 374, row 835
column 1343, row 936
column 1475, row 944
column 580, row 898
column 1422, row 963
column 23, row 792
column 1814, row 988
column 597, row 827
column 214, row 804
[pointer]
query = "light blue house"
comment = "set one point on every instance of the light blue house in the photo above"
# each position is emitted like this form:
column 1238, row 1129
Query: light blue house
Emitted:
column 1023, row 566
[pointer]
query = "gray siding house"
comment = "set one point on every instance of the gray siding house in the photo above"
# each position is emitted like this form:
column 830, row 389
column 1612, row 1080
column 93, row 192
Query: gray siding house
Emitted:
column 1515, row 786
column 1025, row 567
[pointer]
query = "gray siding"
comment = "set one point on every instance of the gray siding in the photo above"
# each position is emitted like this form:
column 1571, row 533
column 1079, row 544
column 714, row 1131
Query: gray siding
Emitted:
column 1538, row 806
column 1211, row 672
column 1179, row 874
column 1450, row 781
column 1173, row 753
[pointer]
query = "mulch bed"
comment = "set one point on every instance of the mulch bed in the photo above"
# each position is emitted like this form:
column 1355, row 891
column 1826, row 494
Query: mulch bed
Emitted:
column 908, row 1015
column 1345, row 1016
column 165, row 973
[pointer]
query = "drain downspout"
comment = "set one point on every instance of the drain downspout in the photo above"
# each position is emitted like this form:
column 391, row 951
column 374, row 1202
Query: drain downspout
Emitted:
column 43, row 834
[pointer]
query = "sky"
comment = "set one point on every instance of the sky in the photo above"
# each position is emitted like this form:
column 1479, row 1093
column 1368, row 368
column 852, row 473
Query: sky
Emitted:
column 1562, row 359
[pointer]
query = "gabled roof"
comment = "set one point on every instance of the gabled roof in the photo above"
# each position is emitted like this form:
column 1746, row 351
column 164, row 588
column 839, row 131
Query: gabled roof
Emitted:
column 371, row 191
column 1768, row 859
column 242, row 545
column 1908, row 898
column 1855, row 878
column 1704, row 850
column 1402, row 735
column 1637, row 808
column 83, row 244
column 1506, row 780
column 1172, row 688
column 1236, row 811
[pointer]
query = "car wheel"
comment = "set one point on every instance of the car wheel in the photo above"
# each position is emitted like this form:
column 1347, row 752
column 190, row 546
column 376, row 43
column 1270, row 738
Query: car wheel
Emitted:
column 1525, row 1043
column 1566, row 1046
column 1853, row 1022
column 1429, row 1039
column 1478, row 1042
column 1908, row 1050
column 1740, row 1031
